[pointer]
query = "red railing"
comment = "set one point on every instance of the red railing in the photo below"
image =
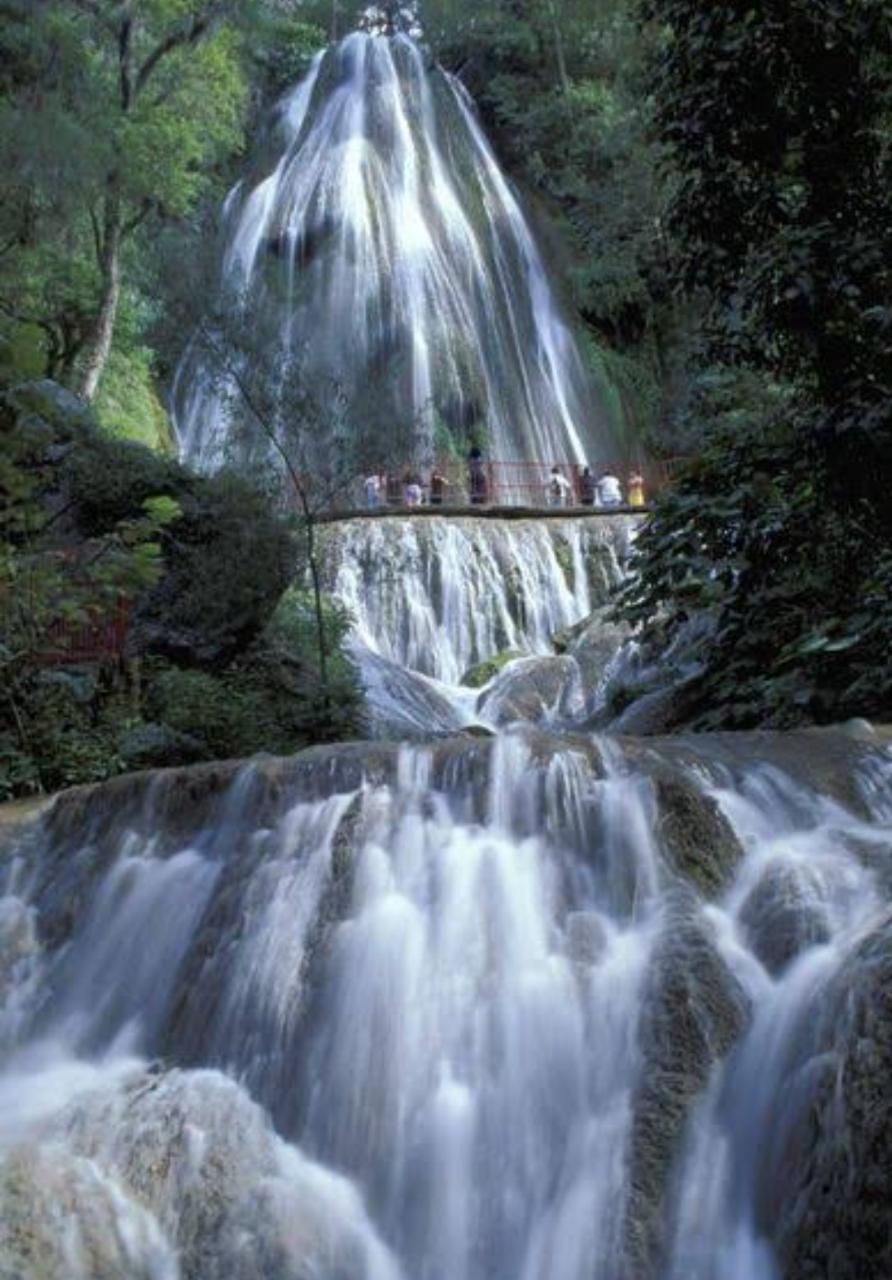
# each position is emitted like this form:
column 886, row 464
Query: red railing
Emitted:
column 99, row 638
column 457, row 483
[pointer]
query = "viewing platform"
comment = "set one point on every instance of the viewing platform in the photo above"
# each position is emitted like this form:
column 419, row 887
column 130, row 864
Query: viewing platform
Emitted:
column 479, row 512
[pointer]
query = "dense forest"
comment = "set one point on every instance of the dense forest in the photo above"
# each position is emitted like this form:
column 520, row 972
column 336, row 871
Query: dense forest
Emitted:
column 711, row 185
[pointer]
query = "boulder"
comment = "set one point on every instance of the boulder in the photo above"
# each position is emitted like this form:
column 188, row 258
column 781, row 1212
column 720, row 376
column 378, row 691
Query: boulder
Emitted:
column 532, row 690
column 826, row 1186
column 784, row 915
column 697, row 838
column 594, row 643
column 149, row 746
column 45, row 401
column 481, row 674
column 694, row 1011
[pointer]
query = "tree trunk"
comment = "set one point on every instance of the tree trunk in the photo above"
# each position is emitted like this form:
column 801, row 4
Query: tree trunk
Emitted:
column 316, row 580
column 560, row 53
column 100, row 342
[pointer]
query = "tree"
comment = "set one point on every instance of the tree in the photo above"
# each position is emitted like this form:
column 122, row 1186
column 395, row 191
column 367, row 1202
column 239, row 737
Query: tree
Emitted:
column 299, row 433
column 776, row 120
column 114, row 114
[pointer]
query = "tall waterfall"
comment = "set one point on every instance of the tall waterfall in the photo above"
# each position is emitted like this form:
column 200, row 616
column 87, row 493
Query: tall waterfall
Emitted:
column 395, row 259
column 512, row 1010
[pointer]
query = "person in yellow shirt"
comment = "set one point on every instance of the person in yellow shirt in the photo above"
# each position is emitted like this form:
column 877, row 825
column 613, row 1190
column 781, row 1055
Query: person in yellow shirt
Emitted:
column 636, row 490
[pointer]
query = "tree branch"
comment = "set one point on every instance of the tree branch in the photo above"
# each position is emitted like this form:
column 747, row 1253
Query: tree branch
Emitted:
column 97, row 234
column 187, row 36
column 95, row 10
column 138, row 218
column 125, row 58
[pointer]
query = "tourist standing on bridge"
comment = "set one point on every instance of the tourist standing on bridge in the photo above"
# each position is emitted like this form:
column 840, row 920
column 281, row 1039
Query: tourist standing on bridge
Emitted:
column 412, row 493
column 610, row 492
column 559, row 489
column 373, row 492
column 636, row 490
column 439, row 485
column 587, row 488
column 478, row 483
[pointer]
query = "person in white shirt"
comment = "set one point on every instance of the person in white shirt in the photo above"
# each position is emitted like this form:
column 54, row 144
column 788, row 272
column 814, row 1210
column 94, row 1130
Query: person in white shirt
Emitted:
column 610, row 492
column 372, row 492
column 559, row 488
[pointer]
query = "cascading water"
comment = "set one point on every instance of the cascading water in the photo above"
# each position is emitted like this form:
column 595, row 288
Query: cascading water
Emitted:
column 393, row 255
column 432, row 598
column 526, row 1009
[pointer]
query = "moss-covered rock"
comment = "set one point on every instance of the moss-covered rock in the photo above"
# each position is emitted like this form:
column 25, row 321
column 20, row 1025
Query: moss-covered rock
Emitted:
column 827, row 1177
column 563, row 553
column 694, row 1011
column 533, row 691
column 481, row 675
column 696, row 836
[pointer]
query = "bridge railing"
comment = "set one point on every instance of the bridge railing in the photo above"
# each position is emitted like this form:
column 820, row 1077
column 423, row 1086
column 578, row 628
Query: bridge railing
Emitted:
column 491, row 482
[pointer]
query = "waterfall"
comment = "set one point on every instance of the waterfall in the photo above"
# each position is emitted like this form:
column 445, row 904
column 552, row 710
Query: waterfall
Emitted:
column 518, row 1009
column 432, row 598
column 385, row 250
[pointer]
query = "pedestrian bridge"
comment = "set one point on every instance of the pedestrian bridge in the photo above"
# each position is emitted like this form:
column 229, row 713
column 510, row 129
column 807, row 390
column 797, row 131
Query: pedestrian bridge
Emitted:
column 479, row 512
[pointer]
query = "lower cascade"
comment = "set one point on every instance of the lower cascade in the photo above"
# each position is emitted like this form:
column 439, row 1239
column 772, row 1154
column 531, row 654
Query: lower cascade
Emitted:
column 522, row 1007
column 441, row 605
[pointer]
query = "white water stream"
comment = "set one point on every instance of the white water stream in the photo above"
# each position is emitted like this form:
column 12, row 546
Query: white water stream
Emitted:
column 399, row 264
column 433, row 597
column 406, row 1028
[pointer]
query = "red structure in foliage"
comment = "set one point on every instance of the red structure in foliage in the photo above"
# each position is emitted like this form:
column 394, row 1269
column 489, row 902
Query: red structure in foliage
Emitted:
column 101, row 638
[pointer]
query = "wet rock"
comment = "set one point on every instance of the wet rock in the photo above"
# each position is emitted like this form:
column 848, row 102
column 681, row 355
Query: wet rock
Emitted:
column 827, row 1184
column 180, row 1174
column 62, row 1218
column 586, row 937
column 784, row 915
column 481, row 675
column 403, row 704
column 531, row 690
column 653, row 711
column 157, row 745
column 594, row 643
column 696, row 836
column 694, row 1011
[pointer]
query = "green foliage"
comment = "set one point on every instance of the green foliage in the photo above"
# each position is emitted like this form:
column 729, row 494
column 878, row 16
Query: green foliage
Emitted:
column 90, row 522
column 781, row 528
column 128, row 407
column 55, row 729
column 118, row 122
column 271, row 698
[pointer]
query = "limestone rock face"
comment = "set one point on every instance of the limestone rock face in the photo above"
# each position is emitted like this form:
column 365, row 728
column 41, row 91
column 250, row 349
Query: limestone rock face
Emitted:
column 828, row 1200
column 177, row 1176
